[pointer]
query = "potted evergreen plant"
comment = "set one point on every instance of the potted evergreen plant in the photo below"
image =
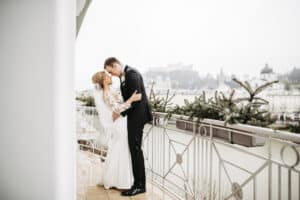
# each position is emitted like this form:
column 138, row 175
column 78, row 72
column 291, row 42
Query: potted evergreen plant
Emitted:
column 222, row 111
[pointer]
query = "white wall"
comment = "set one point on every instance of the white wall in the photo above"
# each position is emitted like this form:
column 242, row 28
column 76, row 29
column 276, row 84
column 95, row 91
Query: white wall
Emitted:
column 37, row 135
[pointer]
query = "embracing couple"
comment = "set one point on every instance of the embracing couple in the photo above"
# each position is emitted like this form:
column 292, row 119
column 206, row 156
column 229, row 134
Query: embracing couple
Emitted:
column 122, row 118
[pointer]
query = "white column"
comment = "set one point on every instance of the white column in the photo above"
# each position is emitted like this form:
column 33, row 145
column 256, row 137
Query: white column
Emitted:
column 37, row 134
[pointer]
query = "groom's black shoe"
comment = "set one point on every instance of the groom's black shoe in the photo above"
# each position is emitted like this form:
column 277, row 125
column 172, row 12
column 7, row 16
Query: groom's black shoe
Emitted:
column 134, row 191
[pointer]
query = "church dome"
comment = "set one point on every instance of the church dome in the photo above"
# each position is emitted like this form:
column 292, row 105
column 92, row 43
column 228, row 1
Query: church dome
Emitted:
column 266, row 70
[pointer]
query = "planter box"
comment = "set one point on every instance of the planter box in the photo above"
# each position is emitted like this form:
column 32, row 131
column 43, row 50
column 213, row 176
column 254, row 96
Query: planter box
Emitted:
column 229, row 135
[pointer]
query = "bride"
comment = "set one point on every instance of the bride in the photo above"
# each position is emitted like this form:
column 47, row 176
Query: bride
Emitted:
column 117, row 170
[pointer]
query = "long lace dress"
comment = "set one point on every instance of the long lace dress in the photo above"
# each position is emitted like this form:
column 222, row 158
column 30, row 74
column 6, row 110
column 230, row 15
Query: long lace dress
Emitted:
column 118, row 167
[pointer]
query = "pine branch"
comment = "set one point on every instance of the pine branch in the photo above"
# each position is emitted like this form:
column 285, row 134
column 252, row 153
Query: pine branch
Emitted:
column 262, row 87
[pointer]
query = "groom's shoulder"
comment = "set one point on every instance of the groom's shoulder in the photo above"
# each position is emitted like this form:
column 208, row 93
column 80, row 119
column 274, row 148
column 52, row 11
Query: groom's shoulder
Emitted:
column 131, row 70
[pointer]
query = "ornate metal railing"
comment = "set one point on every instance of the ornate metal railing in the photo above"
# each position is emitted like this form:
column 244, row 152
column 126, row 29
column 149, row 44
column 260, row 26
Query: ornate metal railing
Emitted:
column 89, row 131
column 208, row 160
column 90, row 153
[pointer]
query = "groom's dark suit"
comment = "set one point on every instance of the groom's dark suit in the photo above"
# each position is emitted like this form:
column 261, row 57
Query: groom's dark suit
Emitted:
column 137, row 116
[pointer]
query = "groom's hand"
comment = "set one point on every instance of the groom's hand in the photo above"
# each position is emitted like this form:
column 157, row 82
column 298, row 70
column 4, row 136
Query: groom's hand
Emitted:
column 115, row 116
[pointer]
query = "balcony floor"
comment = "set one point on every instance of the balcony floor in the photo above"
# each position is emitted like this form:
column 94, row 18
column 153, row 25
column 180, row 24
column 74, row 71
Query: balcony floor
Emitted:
column 99, row 193
column 89, row 168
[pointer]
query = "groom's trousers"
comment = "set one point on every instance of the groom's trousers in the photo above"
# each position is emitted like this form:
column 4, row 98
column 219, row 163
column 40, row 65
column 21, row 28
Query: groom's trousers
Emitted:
column 135, row 137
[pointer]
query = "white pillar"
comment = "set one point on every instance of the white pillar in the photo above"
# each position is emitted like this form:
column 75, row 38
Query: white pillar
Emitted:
column 37, row 134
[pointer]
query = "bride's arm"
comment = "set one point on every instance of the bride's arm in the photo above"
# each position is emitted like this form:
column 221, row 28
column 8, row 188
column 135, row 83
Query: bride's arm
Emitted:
column 115, row 102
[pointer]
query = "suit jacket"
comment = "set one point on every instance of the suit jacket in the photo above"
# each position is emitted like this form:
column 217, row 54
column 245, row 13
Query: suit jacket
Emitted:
column 139, row 111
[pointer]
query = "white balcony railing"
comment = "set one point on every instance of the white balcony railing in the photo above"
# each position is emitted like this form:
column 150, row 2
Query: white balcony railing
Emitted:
column 207, row 160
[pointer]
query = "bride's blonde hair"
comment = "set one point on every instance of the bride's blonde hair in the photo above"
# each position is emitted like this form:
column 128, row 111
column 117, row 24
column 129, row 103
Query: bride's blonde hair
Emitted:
column 98, row 78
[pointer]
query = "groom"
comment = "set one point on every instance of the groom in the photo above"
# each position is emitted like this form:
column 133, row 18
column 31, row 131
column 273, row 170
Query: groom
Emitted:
column 137, row 116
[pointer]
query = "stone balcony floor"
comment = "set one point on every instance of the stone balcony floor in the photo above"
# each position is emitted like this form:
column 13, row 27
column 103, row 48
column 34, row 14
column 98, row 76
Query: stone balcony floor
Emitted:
column 88, row 173
column 99, row 193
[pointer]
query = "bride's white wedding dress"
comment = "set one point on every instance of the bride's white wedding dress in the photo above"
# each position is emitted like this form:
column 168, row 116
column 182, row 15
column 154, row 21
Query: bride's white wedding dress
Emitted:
column 117, row 170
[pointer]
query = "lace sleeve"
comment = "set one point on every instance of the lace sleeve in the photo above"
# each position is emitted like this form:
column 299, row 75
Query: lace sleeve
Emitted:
column 114, row 101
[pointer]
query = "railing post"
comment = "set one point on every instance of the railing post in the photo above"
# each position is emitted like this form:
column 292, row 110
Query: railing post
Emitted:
column 194, row 161
column 270, row 168
column 210, row 159
column 164, row 149
column 152, row 151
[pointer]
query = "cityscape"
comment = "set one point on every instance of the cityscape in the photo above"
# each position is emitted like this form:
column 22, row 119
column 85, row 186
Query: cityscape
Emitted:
column 184, row 82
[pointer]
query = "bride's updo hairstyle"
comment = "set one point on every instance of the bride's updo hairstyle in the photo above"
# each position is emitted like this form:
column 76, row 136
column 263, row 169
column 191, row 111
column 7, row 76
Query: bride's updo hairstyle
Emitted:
column 98, row 78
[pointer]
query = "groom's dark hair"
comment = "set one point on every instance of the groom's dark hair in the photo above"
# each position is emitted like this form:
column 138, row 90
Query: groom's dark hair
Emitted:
column 110, row 61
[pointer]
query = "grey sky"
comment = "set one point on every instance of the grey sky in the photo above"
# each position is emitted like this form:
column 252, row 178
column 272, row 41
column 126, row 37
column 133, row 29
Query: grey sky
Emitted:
column 239, row 36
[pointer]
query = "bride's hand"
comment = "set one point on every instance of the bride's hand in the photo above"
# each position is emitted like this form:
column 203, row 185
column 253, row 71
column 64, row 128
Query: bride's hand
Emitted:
column 115, row 116
column 136, row 97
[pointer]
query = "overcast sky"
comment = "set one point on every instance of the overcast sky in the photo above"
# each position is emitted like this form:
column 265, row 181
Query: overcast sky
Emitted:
column 239, row 36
